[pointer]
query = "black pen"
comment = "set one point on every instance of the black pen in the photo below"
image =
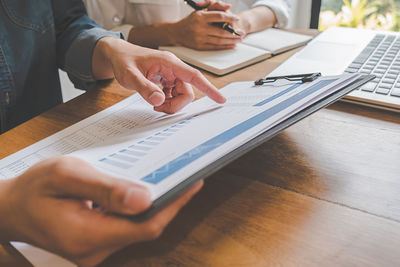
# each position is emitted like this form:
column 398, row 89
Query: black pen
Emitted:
column 223, row 25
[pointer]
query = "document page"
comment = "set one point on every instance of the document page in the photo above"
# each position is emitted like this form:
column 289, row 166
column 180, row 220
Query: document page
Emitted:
column 131, row 141
column 166, row 152
column 116, row 120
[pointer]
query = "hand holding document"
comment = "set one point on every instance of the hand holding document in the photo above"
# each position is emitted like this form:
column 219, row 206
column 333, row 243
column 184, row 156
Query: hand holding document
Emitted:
column 131, row 141
column 168, row 153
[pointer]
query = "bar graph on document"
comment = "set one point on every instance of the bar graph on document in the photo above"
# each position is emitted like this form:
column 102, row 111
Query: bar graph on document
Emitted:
column 119, row 119
column 166, row 153
column 149, row 147
column 131, row 155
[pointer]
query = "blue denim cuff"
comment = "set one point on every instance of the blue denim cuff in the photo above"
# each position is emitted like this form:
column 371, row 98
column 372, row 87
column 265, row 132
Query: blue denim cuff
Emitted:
column 78, row 63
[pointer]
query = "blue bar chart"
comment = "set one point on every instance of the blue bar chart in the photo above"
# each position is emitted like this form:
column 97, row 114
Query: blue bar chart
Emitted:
column 210, row 145
column 127, row 157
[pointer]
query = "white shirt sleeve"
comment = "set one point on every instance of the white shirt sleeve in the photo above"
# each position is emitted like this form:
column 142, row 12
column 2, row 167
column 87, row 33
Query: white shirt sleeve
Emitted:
column 280, row 9
column 109, row 14
column 120, row 15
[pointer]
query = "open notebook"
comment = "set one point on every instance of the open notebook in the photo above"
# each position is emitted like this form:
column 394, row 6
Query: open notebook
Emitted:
column 254, row 48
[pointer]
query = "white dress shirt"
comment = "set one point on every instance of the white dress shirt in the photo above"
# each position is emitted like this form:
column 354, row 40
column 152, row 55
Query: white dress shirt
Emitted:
column 121, row 15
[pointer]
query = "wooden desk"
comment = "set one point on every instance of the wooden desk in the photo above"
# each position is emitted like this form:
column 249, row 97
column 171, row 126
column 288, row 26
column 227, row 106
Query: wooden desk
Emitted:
column 326, row 191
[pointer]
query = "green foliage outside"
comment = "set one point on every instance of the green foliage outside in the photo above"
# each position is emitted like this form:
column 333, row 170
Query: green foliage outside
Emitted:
column 367, row 14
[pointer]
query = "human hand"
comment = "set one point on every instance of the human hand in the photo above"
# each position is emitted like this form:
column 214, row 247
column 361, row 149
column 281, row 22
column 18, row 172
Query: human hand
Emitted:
column 196, row 30
column 49, row 206
column 214, row 5
column 146, row 70
column 242, row 26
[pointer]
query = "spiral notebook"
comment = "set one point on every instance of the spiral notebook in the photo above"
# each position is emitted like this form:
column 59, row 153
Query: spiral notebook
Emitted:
column 254, row 48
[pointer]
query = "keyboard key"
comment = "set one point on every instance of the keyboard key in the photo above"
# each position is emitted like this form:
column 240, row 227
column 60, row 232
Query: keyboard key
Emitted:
column 394, row 72
column 391, row 76
column 355, row 65
column 388, row 80
column 395, row 92
column 379, row 71
column 383, row 66
column 386, row 85
column 368, row 67
column 369, row 87
column 351, row 70
column 363, row 56
column 382, row 91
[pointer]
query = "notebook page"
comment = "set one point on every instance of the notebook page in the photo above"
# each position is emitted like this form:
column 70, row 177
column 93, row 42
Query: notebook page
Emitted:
column 276, row 41
column 221, row 61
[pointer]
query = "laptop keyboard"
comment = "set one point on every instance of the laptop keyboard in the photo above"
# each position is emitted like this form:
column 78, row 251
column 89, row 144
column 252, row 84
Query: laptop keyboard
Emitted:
column 381, row 58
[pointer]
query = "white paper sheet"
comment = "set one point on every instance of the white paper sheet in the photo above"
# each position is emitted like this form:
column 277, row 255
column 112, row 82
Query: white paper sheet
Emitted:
column 41, row 258
column 164, row 153
column 131, row 141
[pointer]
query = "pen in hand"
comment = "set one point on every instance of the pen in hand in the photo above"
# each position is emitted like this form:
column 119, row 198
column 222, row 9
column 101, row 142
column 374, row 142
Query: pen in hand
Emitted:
column 223, row 25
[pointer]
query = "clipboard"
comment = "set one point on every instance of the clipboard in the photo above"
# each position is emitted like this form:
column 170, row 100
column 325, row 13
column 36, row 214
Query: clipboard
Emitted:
column 250, row 145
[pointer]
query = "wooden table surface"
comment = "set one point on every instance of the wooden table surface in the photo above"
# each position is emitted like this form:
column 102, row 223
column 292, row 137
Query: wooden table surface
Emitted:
column 326, row 191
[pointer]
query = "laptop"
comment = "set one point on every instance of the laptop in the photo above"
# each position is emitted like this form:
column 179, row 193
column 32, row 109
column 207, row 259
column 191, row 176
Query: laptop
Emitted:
column 339, row 49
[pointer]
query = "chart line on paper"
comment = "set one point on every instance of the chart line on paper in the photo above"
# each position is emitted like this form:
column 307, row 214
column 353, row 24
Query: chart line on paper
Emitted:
column 204, row 148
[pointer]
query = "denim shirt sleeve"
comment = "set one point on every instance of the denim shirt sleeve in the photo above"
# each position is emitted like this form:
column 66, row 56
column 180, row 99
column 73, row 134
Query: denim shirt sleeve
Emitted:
column 77, row 37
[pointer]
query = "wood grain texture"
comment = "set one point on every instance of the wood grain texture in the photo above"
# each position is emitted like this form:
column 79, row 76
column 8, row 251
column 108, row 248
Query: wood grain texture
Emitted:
column 326, row 191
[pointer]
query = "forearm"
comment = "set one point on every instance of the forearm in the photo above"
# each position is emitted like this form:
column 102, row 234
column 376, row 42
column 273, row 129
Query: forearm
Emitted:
column 101, row 65
column 153, row 36
column 6, row 233
column 257, row 19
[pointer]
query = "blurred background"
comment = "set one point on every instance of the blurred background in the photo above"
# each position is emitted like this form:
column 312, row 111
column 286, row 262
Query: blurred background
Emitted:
column 367, row 14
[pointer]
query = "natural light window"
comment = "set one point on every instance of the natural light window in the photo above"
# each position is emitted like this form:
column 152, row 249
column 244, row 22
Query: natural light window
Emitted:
column 367, row 14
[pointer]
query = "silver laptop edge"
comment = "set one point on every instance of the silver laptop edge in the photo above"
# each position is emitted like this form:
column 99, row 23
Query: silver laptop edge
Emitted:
column 330, row 53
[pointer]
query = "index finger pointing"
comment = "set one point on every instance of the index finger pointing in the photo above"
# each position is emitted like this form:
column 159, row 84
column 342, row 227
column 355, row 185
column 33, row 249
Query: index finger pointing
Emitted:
column 201, row 83
column 194, row 77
